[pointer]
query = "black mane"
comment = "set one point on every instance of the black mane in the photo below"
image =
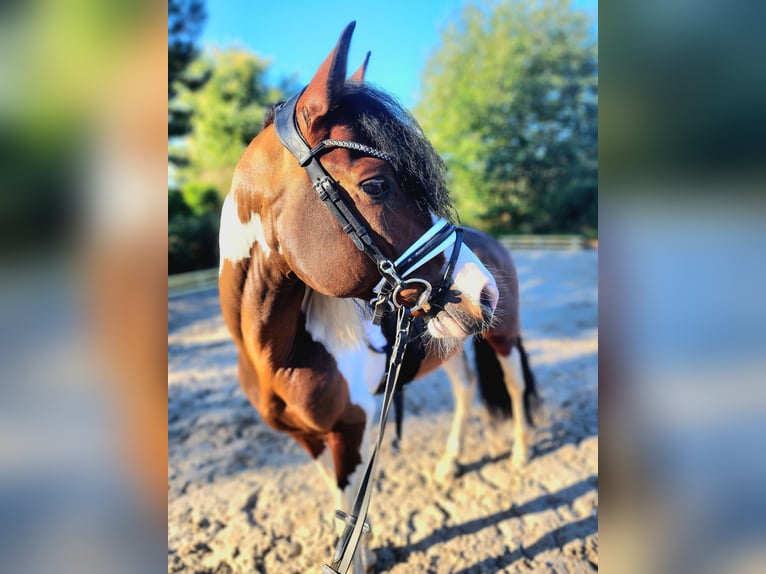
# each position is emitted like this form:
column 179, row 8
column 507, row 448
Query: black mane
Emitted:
column 384, row 124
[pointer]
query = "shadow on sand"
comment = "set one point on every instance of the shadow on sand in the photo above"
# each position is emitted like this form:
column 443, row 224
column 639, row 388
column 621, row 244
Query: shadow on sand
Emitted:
column 388, row 556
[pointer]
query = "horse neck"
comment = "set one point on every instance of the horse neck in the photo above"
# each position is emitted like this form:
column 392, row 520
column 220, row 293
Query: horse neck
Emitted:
column 272, row 314
column 261, row 303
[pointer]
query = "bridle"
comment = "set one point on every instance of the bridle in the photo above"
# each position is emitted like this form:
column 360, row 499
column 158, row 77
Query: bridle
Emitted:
column 395, row 279
column 394, row 273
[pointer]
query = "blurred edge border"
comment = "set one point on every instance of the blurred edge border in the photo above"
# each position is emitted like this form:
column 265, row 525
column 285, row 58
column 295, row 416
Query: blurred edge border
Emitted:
column 681, row 174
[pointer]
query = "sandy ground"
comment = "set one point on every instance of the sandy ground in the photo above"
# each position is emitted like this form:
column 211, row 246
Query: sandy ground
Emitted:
column 243, row 498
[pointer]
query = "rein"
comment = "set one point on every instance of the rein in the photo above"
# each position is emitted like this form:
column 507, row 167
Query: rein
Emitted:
column 356, row 523
column 389, row 293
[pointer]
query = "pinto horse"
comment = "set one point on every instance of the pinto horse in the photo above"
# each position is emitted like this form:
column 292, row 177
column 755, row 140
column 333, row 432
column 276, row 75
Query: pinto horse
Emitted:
column 303, row 252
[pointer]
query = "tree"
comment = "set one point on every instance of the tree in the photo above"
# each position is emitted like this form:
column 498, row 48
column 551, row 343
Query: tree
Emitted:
column 510, row 101
column 225, row 96
column 226, row 113
column 185, row 21
column 193, row 220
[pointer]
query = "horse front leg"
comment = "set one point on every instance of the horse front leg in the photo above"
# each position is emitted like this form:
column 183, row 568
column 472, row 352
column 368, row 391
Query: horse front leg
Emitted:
column 350, row 448
column 463, row 382
column 343, row 463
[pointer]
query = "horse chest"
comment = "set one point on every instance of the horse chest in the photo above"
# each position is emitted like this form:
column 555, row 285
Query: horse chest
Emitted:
column 337, row 326
column 329, row 369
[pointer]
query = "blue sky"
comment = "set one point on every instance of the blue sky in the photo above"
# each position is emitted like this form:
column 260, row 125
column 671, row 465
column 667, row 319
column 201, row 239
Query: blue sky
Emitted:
column 296, row 35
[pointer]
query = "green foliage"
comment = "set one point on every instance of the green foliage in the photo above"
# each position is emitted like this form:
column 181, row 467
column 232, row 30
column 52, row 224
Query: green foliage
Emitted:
column 177, row 206
column 192, row 242
column 192, row 216
column 222, row 97
column 510, row 100
column 226, row 113
column 185, row 21
column 193, row 220
column 201, row 198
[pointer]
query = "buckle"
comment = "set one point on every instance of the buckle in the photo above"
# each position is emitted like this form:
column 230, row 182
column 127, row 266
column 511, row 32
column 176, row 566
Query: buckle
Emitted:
column 382, row 306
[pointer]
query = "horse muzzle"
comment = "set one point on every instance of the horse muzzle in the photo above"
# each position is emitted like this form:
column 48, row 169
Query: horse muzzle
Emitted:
column 470, row 302
column 462, row 304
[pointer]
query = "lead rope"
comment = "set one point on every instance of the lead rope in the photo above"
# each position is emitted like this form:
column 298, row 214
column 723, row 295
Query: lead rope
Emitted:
column 356, row 521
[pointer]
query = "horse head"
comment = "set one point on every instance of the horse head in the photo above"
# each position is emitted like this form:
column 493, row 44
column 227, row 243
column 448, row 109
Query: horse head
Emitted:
column 382, row 175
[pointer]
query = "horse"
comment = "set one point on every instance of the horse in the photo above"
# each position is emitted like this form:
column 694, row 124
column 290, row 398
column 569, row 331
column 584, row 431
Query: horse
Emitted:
column 338, row 201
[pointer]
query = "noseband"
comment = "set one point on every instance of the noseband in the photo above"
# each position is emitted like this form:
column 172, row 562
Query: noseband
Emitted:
column 394, row 273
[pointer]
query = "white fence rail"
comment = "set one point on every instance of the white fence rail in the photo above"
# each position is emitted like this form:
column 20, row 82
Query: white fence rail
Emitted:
column 185, row 282
column 563, row 242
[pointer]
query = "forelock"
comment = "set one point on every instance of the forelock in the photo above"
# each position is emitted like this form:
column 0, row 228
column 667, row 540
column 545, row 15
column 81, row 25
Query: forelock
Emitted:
column 386, row 125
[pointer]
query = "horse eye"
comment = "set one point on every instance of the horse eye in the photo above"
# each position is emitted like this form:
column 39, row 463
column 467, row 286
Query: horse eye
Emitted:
column 374, row 187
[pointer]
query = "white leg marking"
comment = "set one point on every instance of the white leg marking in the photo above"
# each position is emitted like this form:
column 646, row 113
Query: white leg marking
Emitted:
column 362, row 369
column 325, row 464
column 235, row 238
column 339, row 326
column 364, row 559
column 463, row 382
column 514, row 381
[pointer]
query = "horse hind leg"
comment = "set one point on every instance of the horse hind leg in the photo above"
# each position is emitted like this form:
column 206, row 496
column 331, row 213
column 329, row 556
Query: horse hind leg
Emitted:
column 521, row 386
column 515, row 397
column 463, row 382
column 514, row 382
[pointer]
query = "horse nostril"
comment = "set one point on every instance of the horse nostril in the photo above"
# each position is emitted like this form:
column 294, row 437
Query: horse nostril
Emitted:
column 488, row 298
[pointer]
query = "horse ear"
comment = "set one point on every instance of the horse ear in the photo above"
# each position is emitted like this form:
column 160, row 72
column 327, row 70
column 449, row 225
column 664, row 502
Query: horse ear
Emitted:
column 326, row 86
column 358, row 76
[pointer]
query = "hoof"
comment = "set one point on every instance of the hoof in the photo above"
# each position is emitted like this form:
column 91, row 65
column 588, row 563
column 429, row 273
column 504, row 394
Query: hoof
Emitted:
column 497, row 445
column 497, row 450
column 363, row 563
column 520, row 457
column 368, row 560
column 446, row 471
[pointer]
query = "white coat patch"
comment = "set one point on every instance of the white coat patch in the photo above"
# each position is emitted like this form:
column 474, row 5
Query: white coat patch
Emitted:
column 235, row 238
column 340, row 326
column 334, row 322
